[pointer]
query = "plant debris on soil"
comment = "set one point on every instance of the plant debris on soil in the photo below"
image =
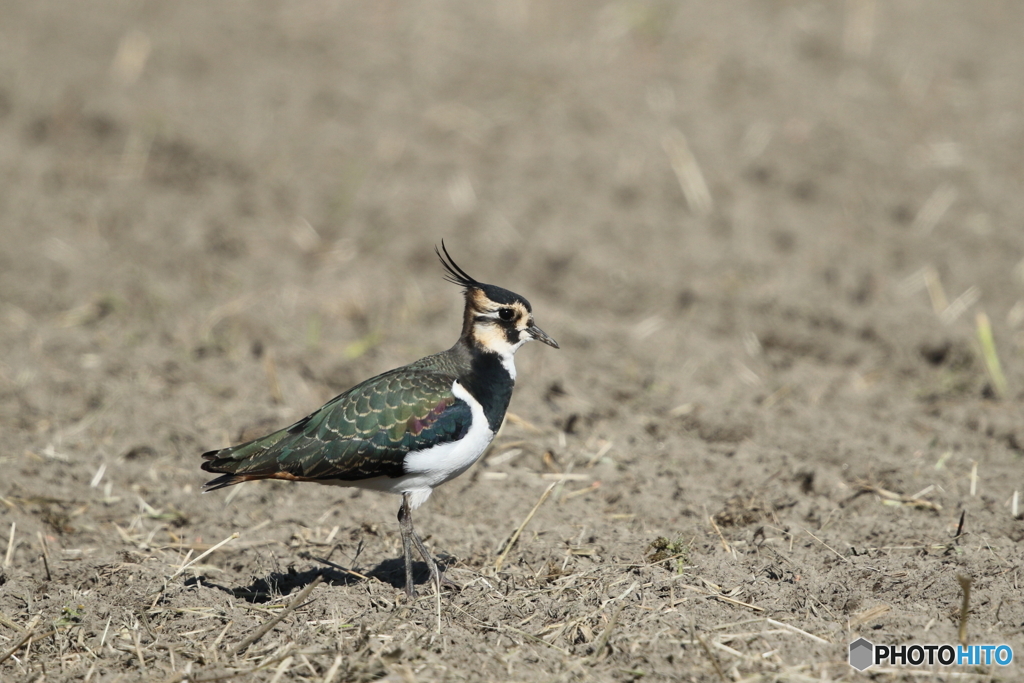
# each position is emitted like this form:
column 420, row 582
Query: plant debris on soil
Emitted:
column 779, row 243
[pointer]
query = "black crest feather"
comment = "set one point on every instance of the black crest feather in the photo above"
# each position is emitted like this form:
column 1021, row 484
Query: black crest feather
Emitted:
column 455, row 274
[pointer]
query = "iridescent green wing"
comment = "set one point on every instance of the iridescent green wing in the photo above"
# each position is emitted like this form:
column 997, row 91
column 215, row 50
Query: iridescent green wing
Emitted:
column 365, row 432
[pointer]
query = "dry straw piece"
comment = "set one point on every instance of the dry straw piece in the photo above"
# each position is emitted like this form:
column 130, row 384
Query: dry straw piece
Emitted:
column 515, row 536
column 211, row 550
column 292, row 606
column 965, row 605
column 988, row 352
column 688, row 173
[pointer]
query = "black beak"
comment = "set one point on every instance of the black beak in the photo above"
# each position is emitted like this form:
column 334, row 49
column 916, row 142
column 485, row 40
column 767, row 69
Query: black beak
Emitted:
column 541, row 336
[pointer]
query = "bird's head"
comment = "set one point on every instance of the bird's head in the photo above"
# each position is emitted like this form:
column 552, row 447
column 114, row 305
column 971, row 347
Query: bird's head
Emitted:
column 496, row 319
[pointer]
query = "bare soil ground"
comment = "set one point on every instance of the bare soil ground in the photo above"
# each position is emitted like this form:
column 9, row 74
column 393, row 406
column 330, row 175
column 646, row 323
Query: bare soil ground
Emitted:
column 768, row 236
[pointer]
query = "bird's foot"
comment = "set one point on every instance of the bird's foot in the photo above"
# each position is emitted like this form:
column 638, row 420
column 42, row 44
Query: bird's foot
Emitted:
column 440, row 580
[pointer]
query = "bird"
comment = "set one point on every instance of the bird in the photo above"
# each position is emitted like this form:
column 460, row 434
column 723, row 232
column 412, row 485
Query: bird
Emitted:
column 408, row 430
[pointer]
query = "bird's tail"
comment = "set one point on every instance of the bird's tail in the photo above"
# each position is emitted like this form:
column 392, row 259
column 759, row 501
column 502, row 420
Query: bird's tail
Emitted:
column 252, row 460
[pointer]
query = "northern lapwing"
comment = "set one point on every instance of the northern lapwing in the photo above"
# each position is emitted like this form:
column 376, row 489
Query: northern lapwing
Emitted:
column 409, row 430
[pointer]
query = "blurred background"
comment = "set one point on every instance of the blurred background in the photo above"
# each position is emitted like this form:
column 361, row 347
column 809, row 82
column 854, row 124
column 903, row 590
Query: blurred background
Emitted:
column 288, row 169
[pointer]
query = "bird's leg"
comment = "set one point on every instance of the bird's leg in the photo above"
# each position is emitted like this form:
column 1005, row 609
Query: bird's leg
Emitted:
column 410, row 538
column 405, row 525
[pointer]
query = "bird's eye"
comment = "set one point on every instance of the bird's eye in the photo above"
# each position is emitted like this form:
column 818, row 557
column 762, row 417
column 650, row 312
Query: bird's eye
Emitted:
column 506, row 314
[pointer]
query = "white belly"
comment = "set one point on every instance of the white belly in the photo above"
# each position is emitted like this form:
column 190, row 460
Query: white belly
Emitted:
column 434, row 466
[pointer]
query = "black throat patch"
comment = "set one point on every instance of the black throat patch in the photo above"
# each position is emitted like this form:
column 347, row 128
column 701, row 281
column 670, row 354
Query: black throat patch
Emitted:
column 489, row 383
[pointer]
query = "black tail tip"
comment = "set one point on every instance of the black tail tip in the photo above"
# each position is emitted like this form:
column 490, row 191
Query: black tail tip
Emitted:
column 221, row 482
column 211, row 455
column 216, row 465
column 209, row 465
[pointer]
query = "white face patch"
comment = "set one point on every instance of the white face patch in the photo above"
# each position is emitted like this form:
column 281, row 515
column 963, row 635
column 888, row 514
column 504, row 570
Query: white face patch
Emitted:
column 492, row 338
column 491, row 332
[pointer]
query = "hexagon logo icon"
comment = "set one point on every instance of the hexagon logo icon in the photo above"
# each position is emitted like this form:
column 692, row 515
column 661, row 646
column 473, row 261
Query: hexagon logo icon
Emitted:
column 862, row 654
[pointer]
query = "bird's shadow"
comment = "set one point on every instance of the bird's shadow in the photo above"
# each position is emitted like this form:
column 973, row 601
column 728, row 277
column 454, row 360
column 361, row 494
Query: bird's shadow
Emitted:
column 278, row 584
column 392, row 572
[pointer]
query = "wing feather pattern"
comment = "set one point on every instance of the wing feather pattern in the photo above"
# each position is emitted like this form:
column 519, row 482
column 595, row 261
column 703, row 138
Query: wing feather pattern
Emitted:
column 365, row 432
